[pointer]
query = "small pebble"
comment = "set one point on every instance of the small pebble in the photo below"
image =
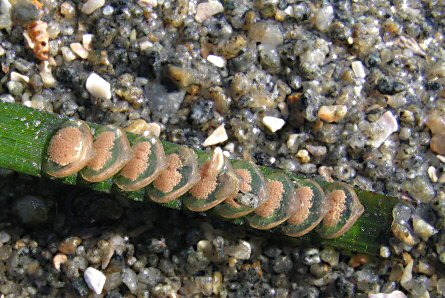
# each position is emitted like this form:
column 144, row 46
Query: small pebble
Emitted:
column 385, row 252
column 423, row 229
column 273, row 123
column 67, row 10
column 5, row 252
column 95, row 279
column 4, row 237
column 330, row 256
column 217, row 61
column 358, row 69
column 432, row 173
column 58, row 260
column 384, row 127
column 324, row 17
column 311, row 256
column 68, row 54
column 303, row 156
column 87, row 40
column 207, row 9
column 219, row 135
column 69, row 245
column 98, row 87
column 130, row 280
column 138, row 126
column 91, row 5
column 241, row 251
column 395, row 294
column 80, row 51
column 334, row 113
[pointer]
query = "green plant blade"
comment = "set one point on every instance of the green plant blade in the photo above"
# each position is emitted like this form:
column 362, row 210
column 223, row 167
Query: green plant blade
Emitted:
column 25, row 133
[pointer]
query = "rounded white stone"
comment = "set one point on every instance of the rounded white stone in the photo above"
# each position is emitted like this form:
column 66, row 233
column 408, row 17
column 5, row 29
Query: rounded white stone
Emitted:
column 95, row 279
column 98, row 87
column 273, row 123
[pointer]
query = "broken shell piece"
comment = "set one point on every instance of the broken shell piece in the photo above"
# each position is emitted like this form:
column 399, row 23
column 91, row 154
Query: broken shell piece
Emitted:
column 345, row 208
column 252, row 194
column 218, row 183
column 279, row 205
column 311, row 207
column 147, row 163
column 69, row 150
column 113, row 151
column 181, row 175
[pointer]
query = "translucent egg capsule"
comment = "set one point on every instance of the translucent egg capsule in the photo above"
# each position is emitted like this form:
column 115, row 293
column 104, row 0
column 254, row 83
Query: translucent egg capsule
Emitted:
column 252, row 193
column 218, row 182
column 113, row 151
column 147, row 163
column 344, row 209
column 181, row 175
column 279, row 205
column 311, row 207
column 69, row 150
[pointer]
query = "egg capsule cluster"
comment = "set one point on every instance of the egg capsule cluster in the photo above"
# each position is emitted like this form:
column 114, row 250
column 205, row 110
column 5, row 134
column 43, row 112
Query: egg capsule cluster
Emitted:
column 233, row 189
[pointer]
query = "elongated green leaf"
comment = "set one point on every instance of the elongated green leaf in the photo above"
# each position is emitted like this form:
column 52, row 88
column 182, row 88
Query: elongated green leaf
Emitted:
column 25, row 133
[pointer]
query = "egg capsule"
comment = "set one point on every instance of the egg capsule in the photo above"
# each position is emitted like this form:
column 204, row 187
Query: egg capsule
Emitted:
column 279, row 205
column 147, row 163
column 218, row 182
column 113, row 151
column 344, row 210
column 252, row 193
column 69, row 150
column 311, row 207
column 181, row 175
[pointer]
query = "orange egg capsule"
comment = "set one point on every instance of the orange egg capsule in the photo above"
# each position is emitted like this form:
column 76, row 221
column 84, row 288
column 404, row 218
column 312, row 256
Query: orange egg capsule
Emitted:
column 69, row 150
column 113, row 151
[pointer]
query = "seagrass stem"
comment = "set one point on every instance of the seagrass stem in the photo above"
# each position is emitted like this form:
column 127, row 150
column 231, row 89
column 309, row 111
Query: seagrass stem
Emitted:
column 25, row 133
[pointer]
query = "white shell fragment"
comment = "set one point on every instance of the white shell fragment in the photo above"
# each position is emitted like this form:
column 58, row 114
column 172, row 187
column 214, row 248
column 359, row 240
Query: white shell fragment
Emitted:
column 386, row 125
column 207, row 9
column 219, row 135
column 95, row 279
column 273, row 123
column 358, row 69
column 217, row 61
column 80, row 51
column 91, row 5
column 98, row 87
